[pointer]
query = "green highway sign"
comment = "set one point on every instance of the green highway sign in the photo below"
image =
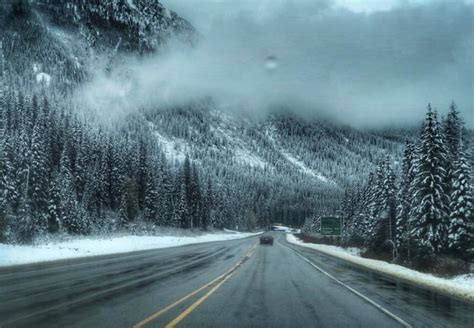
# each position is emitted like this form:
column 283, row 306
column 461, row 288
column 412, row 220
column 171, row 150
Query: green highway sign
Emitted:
column 330, row 226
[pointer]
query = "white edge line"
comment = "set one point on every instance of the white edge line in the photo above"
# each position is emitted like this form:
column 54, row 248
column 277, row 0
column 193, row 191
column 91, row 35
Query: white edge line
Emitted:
column 365, row 298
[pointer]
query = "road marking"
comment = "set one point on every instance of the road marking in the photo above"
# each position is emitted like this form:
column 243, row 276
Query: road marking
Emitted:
column 365, row 298
column 221, row 279
column 193, row 306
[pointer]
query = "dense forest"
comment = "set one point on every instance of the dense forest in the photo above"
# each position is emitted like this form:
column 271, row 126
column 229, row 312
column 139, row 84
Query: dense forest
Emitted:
column 194, row 166
column 424, row 211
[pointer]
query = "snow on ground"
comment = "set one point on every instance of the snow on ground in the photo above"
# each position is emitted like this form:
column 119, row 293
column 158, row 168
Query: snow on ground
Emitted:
column 15, row 254
column 43, row 78
column 464, row 279
column 461, row 286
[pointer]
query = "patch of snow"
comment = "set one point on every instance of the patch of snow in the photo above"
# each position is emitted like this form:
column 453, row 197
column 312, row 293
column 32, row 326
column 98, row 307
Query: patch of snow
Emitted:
column 131, row 4
column 173, row 149
column 77, row 63
column 244, row 157
column 227, row 128
column 299, row 164
column 43, row 78
column 16, row 254
column 235, row 231
column 461, row 286
column 280, row 228
column 303, row 168
column 464, row 279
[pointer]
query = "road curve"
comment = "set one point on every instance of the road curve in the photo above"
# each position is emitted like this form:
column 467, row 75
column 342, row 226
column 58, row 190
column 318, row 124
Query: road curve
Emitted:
column 234, row 284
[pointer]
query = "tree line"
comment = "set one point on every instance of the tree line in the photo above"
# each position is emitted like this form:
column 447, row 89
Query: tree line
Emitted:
column 423, row 211
column 59, row 173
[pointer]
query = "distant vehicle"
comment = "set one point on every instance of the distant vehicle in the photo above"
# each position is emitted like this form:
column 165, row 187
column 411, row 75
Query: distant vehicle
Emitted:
column 278, row 228
column 266, row 240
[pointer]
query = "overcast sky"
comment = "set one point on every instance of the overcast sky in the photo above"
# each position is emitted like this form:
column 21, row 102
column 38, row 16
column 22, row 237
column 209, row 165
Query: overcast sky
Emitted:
column 361, row 62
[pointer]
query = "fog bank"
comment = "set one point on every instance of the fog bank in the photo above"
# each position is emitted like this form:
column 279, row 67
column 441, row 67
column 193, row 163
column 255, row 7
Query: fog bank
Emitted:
column 362, row 65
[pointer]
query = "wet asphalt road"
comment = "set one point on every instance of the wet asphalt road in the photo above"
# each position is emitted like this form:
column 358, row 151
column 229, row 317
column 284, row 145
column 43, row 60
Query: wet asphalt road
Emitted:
column 222, row 284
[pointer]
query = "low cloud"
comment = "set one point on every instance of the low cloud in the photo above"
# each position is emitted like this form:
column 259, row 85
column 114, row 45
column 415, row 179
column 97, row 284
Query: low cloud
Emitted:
column 363, row 67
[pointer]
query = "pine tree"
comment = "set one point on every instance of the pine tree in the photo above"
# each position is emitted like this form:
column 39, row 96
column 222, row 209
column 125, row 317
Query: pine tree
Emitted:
column 452, row 128
column 382, row 212
column 182, row 213
column 69, row 216
column 129, row 208
column 196, row 199
column 54, row 206
column 388, row 199
column 461, row 228
column 404, row 199
column 430, row 223
column 165, row 196
column 25, row 224
column 150, row 206
column 452, row 131
column 5, row 186
column 39, row 177
column 208, row 205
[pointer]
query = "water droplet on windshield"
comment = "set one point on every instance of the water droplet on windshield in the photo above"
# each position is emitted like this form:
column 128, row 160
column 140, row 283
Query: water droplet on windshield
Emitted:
column 271, row 63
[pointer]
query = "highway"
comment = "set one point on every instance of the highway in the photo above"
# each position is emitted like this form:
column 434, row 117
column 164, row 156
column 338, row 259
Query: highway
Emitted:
column 235, row 283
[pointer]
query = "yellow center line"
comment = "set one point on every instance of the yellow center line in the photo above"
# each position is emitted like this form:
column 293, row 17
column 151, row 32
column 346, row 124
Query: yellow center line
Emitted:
column 193, row 306
column 190, row 309
column 147, row 320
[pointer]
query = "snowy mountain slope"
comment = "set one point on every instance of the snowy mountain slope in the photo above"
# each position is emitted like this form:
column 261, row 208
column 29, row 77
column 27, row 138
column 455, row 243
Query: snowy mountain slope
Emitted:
column 66, row 39
column 55, row 43
column 282, row 166
column 278, row 146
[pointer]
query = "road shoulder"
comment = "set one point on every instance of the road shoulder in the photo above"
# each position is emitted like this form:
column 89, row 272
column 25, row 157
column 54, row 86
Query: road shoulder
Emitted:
column 423, row 280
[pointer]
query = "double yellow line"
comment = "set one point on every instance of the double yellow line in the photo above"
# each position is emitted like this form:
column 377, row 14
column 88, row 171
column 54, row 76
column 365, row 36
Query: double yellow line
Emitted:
column 218, row 282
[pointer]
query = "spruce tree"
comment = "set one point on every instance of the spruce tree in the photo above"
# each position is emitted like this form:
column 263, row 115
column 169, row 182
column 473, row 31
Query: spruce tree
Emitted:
column 452, row 130
column 196, row 199
column 69, row 216
column 150, row 210
column 39, row 177
column 182, row 209
column 461, row 228
column 430, row 224
column 5, row 186
column 54, row 206
column 404, row 199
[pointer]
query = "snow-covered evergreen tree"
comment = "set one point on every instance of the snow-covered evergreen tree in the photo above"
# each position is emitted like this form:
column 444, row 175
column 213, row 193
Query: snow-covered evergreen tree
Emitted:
column 150, row 206
column 5, row 186
column 461, row 228
column 453, row 127
column 39, row 176
column 182, row 210
column 404, row 199
column 54, row 206
column 430, row 223
column 69, row 216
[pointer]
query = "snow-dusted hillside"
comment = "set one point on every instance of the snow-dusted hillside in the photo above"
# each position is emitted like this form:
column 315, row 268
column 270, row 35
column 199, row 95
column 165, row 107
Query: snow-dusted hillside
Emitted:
column 280, row 145
column 68, row 39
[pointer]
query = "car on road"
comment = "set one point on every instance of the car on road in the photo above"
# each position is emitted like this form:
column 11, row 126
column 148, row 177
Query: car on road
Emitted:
column 266, row 240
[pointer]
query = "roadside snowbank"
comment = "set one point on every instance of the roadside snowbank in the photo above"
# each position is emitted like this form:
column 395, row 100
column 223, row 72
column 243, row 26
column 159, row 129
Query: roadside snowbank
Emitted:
column 461, row 286
column 15, row 254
